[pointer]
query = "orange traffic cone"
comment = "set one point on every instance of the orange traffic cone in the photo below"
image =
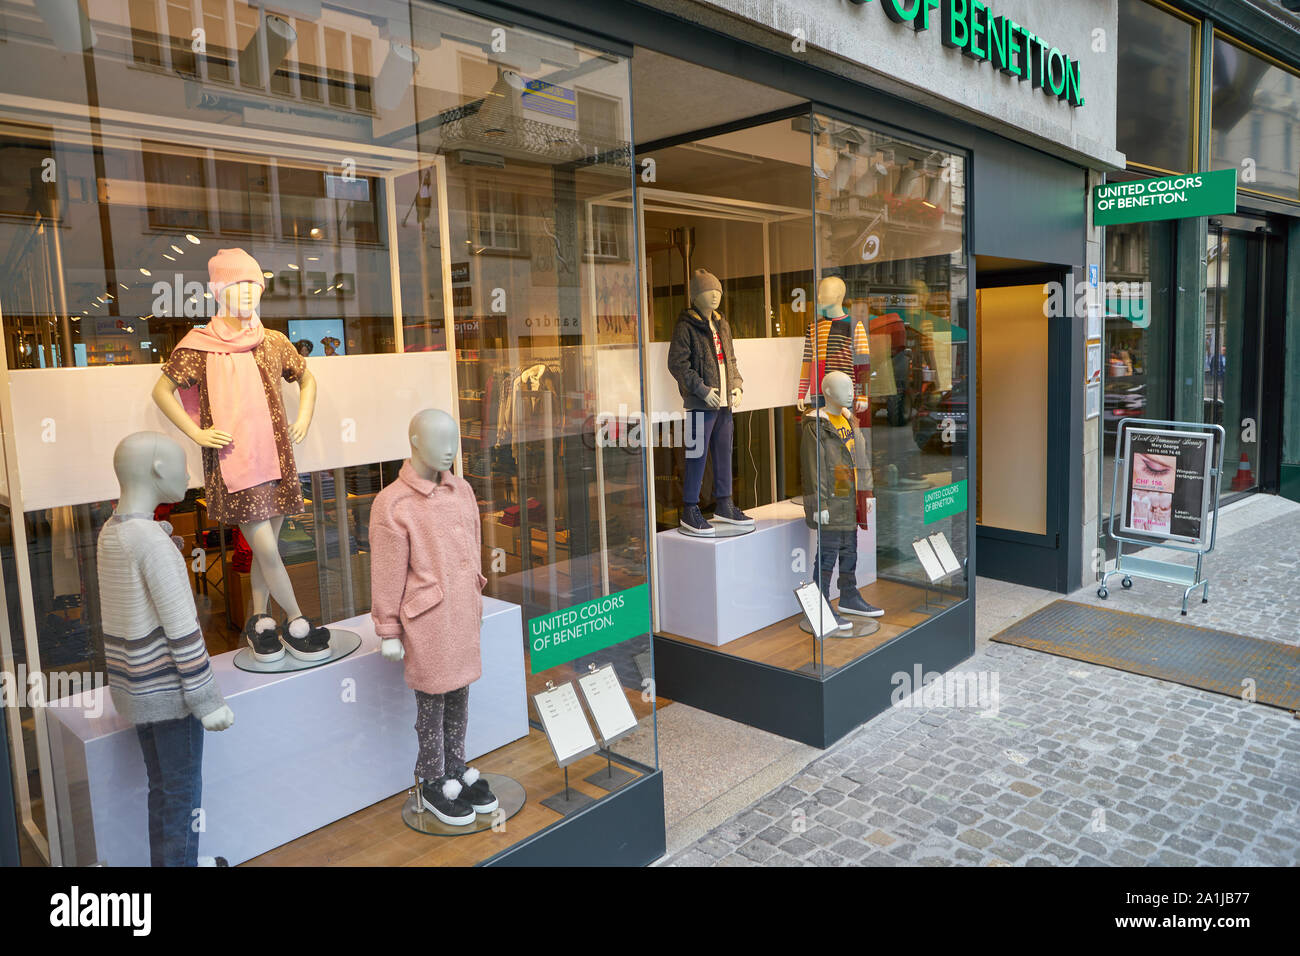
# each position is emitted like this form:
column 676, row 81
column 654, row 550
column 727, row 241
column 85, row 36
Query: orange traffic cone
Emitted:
column 1245, row 478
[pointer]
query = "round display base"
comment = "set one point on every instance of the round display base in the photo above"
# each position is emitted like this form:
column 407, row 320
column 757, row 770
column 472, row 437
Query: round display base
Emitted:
column 720, row 530
column 342, row 643
column 862, row 627
column 510, row 799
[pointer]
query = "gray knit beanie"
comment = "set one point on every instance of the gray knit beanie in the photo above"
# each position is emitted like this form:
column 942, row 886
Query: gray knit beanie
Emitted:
column 702, row 280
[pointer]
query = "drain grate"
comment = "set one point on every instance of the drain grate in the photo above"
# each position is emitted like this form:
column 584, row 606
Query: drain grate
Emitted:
column 1194, row 656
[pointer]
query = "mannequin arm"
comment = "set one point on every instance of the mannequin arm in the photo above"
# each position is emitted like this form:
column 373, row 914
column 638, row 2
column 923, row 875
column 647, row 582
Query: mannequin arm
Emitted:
column 220, row 719
column 164, row 396
column 306, row 406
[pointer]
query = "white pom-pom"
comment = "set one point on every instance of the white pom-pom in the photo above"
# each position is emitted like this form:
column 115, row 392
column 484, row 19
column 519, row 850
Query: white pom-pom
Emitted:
column 299, row 628
column 264, row 623
column 451, row 789
column 469, row 777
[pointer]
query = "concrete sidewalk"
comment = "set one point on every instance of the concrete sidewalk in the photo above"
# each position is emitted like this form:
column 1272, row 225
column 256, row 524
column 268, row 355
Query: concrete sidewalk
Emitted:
column 1070, row 763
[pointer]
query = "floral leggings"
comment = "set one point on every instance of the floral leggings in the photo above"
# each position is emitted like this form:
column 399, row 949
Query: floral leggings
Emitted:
column 440, row 722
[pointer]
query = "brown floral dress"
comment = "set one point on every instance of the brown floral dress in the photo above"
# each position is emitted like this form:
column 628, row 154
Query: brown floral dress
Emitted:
column 276, row 358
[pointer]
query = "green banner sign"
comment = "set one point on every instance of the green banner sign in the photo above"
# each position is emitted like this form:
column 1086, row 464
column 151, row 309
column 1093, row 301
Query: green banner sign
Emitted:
column 945, row 502
column 1169, row 197
column 561, row 636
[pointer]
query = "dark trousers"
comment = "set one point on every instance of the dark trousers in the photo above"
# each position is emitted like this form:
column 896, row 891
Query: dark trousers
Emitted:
column 712, row 432
column 173, row 759
column 841, row 547
column 440, row 724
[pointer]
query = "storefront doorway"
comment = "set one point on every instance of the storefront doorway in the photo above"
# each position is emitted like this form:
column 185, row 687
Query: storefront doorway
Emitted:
column 1022, row 367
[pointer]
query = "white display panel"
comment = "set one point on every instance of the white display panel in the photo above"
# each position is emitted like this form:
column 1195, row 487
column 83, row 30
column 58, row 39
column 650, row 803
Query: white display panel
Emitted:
column 607, row 703
column 565, row 724
column 67, row 422
column 768, row 367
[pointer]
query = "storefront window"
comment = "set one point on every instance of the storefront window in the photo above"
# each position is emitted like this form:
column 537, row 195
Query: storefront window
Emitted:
column 1156, row 82
column 1254, row 125
column 418, row 199
column 1139, row 322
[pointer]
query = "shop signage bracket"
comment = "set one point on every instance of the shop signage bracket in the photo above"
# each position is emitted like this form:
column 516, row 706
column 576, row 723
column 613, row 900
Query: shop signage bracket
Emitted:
column 1190, row 578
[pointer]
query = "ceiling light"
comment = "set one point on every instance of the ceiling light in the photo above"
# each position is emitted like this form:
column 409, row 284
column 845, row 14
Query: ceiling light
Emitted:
column 192, row 238
column 169, row 258
column 145, row 272
column 293, row 266
column 316, row 232
column 268, row 275
column 177, row 249
column 313, row 258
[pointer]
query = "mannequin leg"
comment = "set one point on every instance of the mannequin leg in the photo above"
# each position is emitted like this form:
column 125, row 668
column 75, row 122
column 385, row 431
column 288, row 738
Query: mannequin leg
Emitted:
column 720, row 442
column 455, row 721
column 848, row 561
column 257, row 580
column 430, row 762
column 263, row 537
column 701, row 425
column 173, row 756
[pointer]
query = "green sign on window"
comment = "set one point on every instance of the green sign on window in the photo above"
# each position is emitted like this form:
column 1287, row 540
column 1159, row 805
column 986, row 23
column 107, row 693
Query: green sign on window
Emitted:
column 944, row 502
column 1169, row 197
column 594, row 625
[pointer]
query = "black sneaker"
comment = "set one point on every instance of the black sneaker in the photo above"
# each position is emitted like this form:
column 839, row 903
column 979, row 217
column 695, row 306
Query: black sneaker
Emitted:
column 476, row 792
column 851, row 603
column 443, row 797
column 262, row 639
column 305, row 642
column 726, row 511
column 693, row 522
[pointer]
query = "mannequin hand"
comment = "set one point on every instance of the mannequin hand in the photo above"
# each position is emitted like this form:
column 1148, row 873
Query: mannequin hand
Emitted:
column 861, row 403
column 219, row 719
column 298, row 431
column 713, row 399
column 213, row 438
column 802, row 405
column 823, row 517
column 392, row 649
column 736, row 395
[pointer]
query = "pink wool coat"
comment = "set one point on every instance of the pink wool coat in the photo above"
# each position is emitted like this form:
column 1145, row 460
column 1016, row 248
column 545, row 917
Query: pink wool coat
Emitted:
column 425, row 584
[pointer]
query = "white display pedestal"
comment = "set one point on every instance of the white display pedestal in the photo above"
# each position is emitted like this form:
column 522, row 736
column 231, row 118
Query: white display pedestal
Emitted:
column 307, row 748
column 718, row 589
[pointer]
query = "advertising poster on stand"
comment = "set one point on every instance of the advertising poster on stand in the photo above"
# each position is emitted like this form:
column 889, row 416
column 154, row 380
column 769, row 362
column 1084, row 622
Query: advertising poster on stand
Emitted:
column 1167, row 484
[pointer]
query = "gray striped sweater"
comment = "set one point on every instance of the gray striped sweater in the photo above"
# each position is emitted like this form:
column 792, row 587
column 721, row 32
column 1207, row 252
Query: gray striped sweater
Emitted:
column 158, row 667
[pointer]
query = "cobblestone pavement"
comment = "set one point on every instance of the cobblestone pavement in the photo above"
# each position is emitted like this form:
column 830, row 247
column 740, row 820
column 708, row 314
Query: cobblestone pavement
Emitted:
column 1076, row 765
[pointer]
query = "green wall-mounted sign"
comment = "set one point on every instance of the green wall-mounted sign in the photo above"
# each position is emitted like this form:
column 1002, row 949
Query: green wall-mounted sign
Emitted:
column 1169, row 197
column 972, row 27
column 944, row 502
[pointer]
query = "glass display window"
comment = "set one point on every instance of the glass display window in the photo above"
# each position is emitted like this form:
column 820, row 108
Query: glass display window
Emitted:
column 388, row 222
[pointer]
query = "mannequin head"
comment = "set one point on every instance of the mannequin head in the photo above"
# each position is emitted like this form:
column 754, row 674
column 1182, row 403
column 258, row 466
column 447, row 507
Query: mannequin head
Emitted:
column 830, row 297
column 435, row 439
column 838, row 389
column 150, row 469
column 236, row 282
column 706, row 292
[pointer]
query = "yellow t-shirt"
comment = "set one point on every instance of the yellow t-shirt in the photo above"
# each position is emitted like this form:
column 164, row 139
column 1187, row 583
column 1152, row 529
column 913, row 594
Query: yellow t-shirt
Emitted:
column 846, row 479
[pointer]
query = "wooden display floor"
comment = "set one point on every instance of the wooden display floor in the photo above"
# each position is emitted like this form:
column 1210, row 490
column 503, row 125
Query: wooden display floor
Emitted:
column 784, row 645
column 376, row 836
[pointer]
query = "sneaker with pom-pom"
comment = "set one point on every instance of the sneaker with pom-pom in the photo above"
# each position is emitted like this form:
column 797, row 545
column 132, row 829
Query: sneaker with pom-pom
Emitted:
column 477, row 792
column 305, row 642
column 262, row 638
column 445, row 799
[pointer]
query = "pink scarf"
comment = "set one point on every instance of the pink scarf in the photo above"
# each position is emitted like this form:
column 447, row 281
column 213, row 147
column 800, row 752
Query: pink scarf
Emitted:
column 237, row 400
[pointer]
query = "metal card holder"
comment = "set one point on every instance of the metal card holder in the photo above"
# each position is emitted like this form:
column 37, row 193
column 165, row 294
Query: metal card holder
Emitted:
column 1151, row 569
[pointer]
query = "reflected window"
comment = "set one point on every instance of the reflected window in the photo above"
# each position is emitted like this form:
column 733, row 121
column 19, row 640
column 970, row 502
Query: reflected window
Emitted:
column 1255, row 121
column 1156, row 72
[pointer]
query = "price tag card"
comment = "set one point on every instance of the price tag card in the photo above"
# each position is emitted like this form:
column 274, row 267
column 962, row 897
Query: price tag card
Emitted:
column 607, row 703
column 943, row 550
column 816, row 609
column 565, row 724
column 929, row 560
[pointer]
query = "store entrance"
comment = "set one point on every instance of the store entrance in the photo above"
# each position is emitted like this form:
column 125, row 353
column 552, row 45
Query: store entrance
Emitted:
column 1022, row 362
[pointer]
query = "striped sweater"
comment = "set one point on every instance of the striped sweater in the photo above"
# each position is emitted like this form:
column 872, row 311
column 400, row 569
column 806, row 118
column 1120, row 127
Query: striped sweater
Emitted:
column 830, row 346
column 158, row 667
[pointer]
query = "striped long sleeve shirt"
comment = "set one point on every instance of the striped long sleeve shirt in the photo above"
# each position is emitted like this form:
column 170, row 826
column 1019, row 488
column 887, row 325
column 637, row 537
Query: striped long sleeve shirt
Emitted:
column 158, row 667
column 830, row 346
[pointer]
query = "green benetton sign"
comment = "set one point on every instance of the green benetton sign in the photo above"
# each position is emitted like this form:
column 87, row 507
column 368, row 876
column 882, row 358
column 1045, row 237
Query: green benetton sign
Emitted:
column 1169, row 197
column 561, row 636
column 944, row 502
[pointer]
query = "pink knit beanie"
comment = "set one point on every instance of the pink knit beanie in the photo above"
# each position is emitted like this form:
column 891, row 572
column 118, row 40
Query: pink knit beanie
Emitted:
column 230, row 266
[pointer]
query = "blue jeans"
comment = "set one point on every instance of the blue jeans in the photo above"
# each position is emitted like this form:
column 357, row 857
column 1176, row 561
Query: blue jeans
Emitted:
column 712, row 432
column 841, row 546
column 173, row 759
